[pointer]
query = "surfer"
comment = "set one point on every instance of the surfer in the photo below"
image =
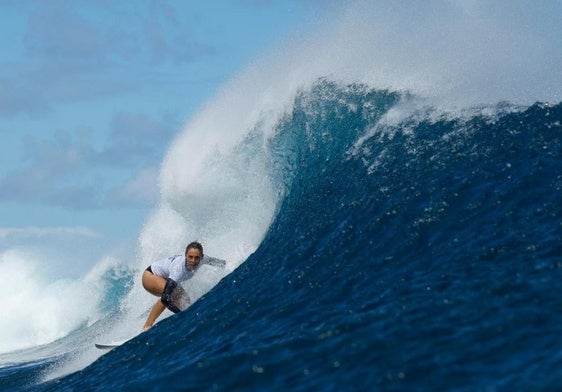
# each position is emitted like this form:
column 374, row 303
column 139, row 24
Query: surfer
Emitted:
column 162, row 277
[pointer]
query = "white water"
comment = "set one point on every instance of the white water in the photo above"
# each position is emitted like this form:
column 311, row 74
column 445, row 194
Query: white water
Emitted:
column 36, row 310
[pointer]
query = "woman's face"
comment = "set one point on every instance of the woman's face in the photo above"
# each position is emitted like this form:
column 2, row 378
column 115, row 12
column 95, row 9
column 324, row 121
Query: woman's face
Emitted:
column 193, row 257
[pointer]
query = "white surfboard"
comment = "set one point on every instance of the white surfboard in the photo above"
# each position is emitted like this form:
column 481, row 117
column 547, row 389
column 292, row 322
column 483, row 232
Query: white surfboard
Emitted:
column 109, row 346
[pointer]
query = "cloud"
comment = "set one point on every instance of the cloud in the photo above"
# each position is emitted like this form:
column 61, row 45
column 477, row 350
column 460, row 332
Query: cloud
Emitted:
column 67, row 170
column 17, row 97
column 80, row 51
column 97, row 36
column 136, row 140
column 47, row 165
column 57, row 31
column 142, row 189
column 167, row 38
column 34, row 232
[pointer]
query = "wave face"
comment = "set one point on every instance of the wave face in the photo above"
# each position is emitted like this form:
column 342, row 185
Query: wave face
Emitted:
column 409, row 249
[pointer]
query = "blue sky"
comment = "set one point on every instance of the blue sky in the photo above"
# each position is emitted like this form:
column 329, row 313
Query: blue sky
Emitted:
column 92, row 93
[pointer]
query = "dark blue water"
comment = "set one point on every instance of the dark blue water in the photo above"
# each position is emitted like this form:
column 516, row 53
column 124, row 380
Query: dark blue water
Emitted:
column 426, row 256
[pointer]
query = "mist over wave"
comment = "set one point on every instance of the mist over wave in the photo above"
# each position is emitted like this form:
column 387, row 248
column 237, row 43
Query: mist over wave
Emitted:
column 453, row 54
column 216, row 180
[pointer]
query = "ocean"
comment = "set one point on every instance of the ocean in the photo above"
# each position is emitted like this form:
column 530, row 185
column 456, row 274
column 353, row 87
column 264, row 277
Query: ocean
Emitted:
column 375, row 239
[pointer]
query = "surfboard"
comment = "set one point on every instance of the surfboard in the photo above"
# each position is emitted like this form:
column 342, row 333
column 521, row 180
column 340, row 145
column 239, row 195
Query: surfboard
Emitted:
column 175, row 298
column 109, row 346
